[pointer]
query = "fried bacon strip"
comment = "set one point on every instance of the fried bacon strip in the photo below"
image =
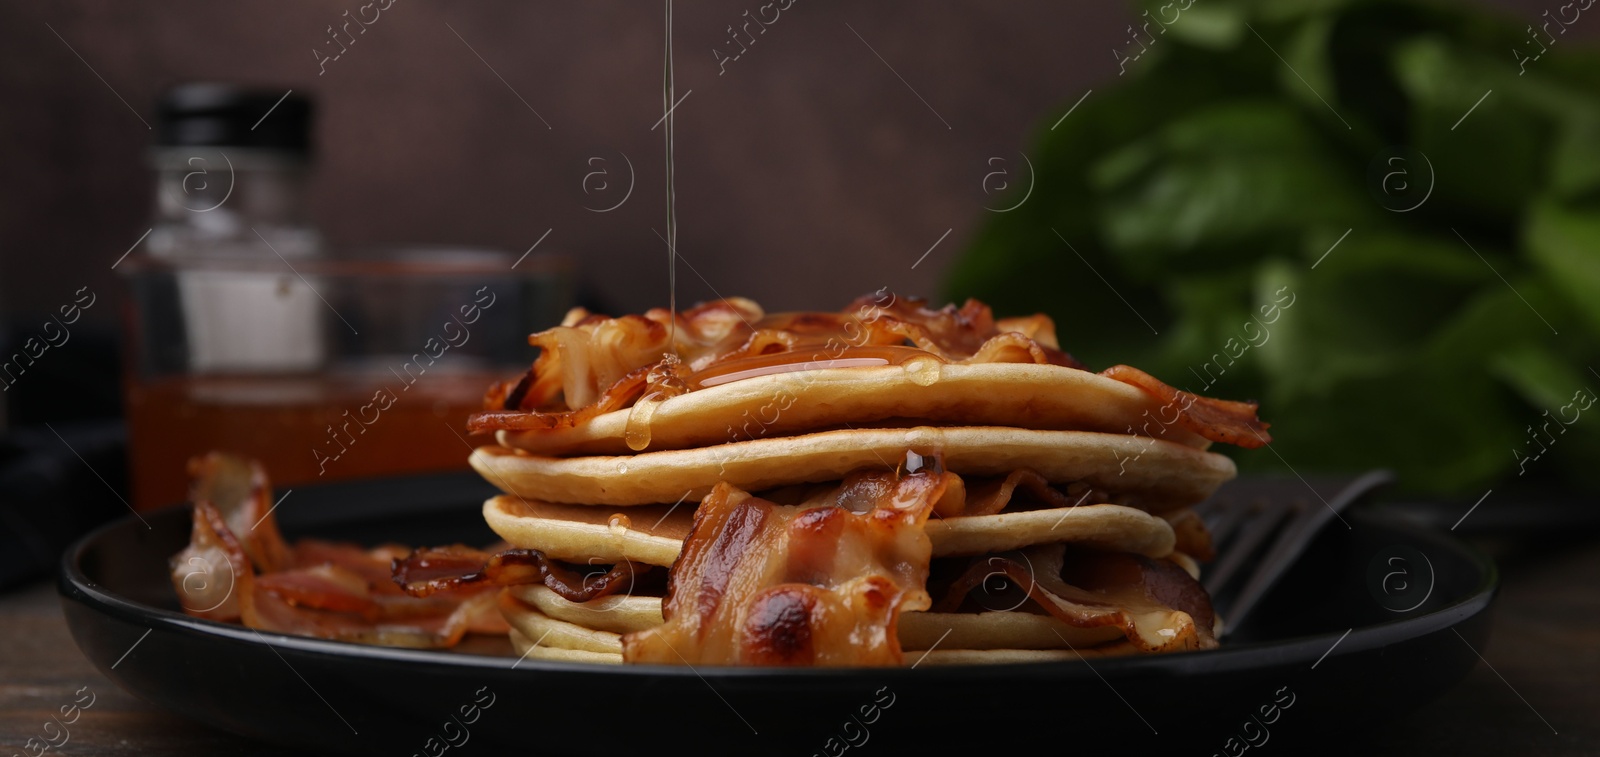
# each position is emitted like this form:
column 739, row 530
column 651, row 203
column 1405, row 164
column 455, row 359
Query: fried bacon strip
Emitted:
column 966, row 334
column 324, row 587
column 992, row 497
column 1157, row 606
column 592, row 364
column 428, row 571
column 403, row 625
column 593, row 361
column 237, row 567
column 212, row 575
column 588, row 353
column 1025, row 489
column 619, row 395
column 1021, row 489
column 239, row 488
column 760, row 583
column 1223, row 421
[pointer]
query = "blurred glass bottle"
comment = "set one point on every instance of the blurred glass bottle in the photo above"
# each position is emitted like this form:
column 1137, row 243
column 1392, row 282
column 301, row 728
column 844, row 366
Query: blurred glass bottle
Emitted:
column 220, row 322
column 231, row 167
column 248, row 336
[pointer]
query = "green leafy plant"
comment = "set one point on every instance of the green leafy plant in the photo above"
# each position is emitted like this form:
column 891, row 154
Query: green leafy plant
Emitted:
column 1217, row 178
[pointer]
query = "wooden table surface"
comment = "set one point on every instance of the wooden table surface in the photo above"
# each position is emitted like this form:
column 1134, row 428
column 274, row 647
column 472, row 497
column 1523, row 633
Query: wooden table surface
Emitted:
column 1545, row 653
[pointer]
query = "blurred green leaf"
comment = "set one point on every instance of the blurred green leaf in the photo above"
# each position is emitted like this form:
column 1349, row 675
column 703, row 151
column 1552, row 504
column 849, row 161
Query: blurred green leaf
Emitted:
column 1445, row 432
column 1364, row 309
column 1216, row 180
column 1308, row 70
column 1539, row 375
column 1488, row 153
column 1565, row 244
column 1213, row 26
column 1213, row 180
column 1575, row 161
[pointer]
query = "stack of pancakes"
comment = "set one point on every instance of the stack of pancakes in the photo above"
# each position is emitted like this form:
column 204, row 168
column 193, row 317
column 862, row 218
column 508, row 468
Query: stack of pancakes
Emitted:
column 1025, row 507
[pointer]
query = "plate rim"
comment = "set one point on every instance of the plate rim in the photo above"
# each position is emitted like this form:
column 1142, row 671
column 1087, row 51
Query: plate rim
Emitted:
column 74, row 585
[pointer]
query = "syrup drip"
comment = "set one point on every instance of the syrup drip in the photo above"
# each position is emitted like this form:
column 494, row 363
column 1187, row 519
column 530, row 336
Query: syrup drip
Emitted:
column 923, row 371
column 915, row 462
column 663, row 382
column 637, row 432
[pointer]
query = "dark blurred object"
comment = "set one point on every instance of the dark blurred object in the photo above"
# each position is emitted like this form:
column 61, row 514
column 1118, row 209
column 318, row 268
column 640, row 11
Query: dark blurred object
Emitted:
column 1252, row 211
column 210, row 114
column 1526, row 514
column 49, row 496
column 75, row 381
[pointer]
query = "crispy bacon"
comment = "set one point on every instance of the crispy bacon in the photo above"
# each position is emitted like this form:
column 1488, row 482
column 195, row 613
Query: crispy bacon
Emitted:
column 1024, row 489
column 993, row 496
column 966, row 334
column 1218, row 420
column 593, row 364
column 1157, row 606
column 239, row 489
column 587, row 354
column 517, row 393
column 212, row 574
column 619, row 395
column 438, row 629
column 324, row 587
column 760, row 583
column 237, row 567
column 371, row 564
column 456, row 567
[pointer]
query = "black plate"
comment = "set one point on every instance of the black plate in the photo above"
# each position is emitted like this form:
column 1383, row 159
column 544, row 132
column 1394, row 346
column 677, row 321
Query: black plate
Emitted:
column 1338, row 642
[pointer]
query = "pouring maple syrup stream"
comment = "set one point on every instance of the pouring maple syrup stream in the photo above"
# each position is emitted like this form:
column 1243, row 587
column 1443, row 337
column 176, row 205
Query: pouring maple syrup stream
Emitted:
column 663, row 378
column 667, row 92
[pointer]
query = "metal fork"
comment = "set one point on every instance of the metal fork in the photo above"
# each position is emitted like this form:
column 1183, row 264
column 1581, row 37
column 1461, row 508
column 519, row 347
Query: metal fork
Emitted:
column 1265, row 524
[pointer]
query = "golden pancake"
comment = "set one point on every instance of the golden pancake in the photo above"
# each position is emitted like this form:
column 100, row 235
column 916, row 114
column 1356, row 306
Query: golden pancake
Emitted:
column 575, row 533
column 590, row 535
column 1109, row 527
column 527, row 649
column 1165, row 473
column 1021, row 395
column 618, row 614
column 556, row 634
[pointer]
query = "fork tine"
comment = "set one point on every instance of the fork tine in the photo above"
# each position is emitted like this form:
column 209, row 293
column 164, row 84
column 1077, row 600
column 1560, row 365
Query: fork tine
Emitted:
column 1225, row 516
column 1264, row 520
column 1293, row 540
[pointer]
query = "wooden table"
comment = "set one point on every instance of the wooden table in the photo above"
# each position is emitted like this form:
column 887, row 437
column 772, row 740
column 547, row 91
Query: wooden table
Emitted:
column 1545, row 650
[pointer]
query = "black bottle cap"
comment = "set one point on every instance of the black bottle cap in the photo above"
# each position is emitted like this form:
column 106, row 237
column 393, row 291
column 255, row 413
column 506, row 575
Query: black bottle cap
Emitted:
column 210, row 114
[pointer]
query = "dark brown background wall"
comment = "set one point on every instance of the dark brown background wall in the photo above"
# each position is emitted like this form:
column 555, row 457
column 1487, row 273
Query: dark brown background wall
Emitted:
column 808, row 172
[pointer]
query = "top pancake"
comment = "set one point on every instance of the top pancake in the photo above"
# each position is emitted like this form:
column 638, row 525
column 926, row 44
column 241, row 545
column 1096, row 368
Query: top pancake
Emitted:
column 1021, row 395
